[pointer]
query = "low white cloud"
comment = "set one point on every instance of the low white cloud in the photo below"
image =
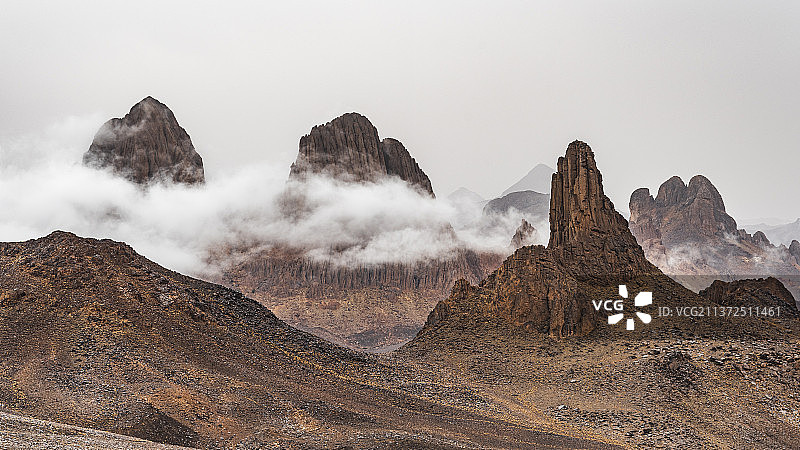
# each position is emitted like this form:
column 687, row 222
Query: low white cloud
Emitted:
column 43, row 187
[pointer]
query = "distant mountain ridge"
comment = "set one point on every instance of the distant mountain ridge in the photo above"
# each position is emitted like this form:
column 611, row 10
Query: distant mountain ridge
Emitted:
column 534, row 205
column 537, row 180
column 779, row 234
column 463, row 194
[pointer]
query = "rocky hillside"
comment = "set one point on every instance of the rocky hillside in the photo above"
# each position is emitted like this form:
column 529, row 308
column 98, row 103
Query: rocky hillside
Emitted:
column 146, row 145
column 26, row 433
column 687, row 233
column 96, row 336
column 348, row 147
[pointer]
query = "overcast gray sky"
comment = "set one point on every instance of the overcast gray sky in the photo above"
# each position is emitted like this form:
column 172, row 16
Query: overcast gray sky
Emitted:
column 479, row 92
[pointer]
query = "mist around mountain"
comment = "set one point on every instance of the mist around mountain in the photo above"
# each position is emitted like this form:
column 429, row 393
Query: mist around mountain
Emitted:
column 526, row 202
column 533, row 205
column 44, row 186
column 524, row 207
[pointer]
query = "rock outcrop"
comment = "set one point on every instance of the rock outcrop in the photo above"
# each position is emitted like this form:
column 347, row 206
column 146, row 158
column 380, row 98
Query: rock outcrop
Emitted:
column 687, row 233
column 525, row 235
column 586, row 232
column 794, row 249
column 549, row 290
column 348, row 148
column 762, row 292
column 146, row 145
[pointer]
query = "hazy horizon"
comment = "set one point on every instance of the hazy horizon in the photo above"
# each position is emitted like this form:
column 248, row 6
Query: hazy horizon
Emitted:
column 478, row 94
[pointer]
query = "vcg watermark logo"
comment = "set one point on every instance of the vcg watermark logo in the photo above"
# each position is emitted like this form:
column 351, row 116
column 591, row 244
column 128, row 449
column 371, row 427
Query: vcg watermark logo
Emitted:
column 616, row 307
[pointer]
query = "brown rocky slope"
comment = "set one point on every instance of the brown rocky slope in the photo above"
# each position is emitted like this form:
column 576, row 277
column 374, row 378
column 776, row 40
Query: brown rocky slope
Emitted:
column 371, row 307
column 146, row 145
column 94, row 335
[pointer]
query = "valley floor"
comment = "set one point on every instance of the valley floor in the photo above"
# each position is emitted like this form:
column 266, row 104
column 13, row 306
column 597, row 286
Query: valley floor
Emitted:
column 665, row 390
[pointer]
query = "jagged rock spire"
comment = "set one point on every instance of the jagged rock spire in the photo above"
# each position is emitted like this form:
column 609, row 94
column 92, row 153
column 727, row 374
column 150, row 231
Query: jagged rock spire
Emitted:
column 578, row 206
column 587, row 233
column 548, row 289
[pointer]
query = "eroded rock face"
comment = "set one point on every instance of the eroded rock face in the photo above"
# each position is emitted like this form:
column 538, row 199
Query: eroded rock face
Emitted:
column 680, row 213
column 762, row 292
column 586, row 232
column 349, row 148
column 366, row 307
column 687, row 233
column 146, row 145
column 548, row 290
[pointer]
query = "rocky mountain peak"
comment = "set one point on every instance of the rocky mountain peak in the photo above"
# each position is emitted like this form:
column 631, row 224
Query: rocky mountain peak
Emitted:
column 765, row 292
column 686, row 231
column 700, row 188
column 671, row 192
column 146, row 145
column 349, row 148
column 680, row 212
column 537, row 180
